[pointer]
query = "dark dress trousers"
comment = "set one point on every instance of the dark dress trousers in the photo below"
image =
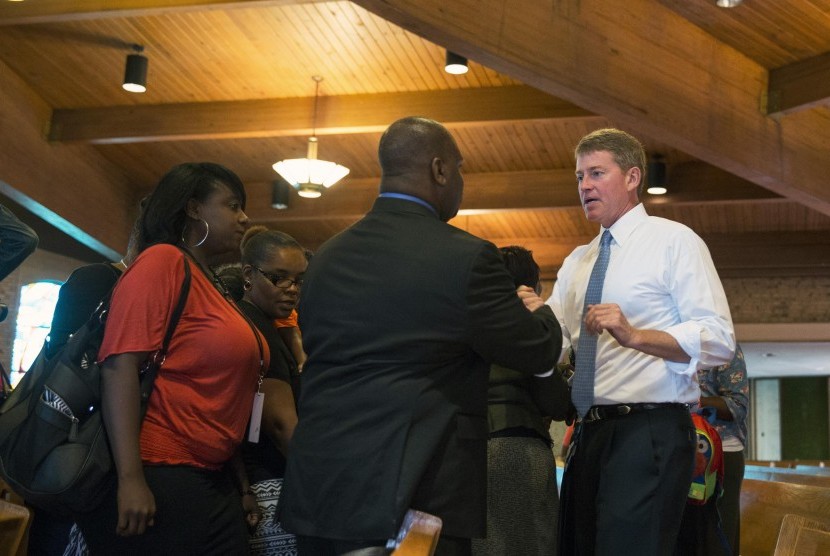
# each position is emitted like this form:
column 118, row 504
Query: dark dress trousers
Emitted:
column 401, row 315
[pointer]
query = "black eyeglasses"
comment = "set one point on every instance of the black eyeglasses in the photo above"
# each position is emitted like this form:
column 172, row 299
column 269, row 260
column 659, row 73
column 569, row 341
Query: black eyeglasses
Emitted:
column 282, row 282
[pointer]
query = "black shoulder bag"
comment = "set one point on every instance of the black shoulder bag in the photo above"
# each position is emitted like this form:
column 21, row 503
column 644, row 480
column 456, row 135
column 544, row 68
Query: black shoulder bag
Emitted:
column 53, row 445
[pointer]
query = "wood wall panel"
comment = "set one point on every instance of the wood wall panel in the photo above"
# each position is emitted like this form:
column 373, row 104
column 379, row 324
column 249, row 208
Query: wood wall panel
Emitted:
column 72, row 188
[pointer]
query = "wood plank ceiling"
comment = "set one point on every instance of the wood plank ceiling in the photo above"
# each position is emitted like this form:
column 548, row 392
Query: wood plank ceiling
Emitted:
column 231, row 82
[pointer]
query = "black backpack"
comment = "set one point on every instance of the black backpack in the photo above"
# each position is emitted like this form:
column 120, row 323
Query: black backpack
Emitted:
column 53, row 445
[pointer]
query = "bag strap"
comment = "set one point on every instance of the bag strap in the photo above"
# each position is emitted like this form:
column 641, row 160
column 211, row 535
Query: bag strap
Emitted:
column 157, row 358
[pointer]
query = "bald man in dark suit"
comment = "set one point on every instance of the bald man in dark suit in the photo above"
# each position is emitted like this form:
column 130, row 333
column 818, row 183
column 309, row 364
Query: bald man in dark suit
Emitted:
column 401, row 315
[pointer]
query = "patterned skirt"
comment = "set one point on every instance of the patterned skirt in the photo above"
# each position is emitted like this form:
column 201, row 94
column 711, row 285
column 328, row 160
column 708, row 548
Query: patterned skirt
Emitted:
column 269, row 538
column 522, row 499
column 76, row 545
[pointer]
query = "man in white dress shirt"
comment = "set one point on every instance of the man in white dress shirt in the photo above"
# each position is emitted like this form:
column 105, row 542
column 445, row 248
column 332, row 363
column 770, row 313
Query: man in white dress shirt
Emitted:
column 662, row 316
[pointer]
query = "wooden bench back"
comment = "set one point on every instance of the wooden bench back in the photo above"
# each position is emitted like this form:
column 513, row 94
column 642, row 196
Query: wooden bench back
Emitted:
column 785, row 475
column 801, row 536
column 764, row 505
column 13, row 522
column 812, row 469
column 790, row 463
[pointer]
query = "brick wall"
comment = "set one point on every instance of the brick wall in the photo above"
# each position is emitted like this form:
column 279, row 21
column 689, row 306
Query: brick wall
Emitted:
column 41, row 265
column 770, row 300
column 778, row 300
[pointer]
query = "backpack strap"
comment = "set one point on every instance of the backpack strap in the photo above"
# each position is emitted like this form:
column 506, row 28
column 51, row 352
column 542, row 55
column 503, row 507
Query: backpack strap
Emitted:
column 148, row 376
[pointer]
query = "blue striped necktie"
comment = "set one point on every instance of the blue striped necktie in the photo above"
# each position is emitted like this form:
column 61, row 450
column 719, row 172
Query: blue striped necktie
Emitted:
column 582, row 393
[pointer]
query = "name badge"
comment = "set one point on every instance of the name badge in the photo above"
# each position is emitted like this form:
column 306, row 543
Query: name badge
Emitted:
column 256, row 417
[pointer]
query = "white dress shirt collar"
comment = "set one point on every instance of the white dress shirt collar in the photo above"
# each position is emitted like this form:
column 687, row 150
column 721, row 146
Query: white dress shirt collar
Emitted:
column 625, row 225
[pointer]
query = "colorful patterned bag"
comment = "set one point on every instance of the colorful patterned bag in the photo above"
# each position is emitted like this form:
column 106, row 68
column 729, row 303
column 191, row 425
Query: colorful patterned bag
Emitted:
column 707, row 478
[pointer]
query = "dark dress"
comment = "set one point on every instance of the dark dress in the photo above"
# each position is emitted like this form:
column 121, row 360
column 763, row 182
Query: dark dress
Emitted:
column 264, row 462
column 522, row 496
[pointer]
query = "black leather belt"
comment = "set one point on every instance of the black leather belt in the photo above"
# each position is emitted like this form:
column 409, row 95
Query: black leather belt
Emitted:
column 600, row 412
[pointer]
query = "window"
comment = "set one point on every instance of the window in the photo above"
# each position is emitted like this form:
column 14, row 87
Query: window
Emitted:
column 34, row 318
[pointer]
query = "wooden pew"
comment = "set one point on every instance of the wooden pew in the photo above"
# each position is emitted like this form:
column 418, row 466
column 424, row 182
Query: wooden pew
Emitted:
column 8, row 534
column 790, row 463
column 764, row 505
column 812, row 469
column 812, row 462
column 786, row 475
column 770, row 463
column 801, row 536
column 14, row 522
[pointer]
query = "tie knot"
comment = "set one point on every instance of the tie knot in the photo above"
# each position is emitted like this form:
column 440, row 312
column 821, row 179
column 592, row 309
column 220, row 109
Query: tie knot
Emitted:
column 605, row 240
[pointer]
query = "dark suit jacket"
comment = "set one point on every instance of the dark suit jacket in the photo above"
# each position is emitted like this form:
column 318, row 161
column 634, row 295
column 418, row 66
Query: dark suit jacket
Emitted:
column 401, row 314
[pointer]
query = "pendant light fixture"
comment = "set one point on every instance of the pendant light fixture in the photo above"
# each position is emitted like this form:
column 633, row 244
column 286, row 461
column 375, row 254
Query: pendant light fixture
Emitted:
column 280, row 191
column 455, row 64
column 311, row 176
column 656, row 175
column 135, row 74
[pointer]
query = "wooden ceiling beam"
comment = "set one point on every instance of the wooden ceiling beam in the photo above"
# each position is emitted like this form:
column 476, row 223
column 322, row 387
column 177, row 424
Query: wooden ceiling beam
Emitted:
column 294, row 116
column 56, row 11
column 692, row 183
column 799, row 86
column 680, row 84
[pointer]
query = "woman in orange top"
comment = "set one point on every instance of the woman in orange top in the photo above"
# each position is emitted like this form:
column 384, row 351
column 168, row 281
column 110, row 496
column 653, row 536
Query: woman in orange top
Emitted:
column 175, row 492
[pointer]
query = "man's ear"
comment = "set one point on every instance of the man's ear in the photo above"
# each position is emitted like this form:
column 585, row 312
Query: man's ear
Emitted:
column 439, row 171
column 633, row 178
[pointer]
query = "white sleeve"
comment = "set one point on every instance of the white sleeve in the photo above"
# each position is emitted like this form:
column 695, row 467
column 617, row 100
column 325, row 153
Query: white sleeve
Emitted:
column 705, row 331
column 555, row 303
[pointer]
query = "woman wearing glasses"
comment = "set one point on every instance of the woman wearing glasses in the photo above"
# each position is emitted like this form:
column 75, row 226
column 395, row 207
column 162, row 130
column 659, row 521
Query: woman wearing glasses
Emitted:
column 273, row 265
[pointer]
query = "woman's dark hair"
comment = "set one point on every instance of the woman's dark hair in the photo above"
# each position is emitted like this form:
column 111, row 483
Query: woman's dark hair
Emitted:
column 258, row 242
column 231, row 276
column 521, row 266
column 164, row 216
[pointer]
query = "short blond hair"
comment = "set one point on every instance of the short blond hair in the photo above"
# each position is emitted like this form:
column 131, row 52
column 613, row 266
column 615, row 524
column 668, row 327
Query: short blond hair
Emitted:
column 627, row 151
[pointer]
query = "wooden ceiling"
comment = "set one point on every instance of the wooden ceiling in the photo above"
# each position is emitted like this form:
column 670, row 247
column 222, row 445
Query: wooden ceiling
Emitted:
column 737, row 101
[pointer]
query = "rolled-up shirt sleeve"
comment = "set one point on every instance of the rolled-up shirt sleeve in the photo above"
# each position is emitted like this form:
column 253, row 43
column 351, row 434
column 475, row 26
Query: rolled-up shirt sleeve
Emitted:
column 705, row 330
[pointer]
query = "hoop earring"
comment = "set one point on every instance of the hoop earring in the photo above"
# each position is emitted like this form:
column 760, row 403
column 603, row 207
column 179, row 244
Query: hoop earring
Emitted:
column 207, row 231
column 247, row 285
